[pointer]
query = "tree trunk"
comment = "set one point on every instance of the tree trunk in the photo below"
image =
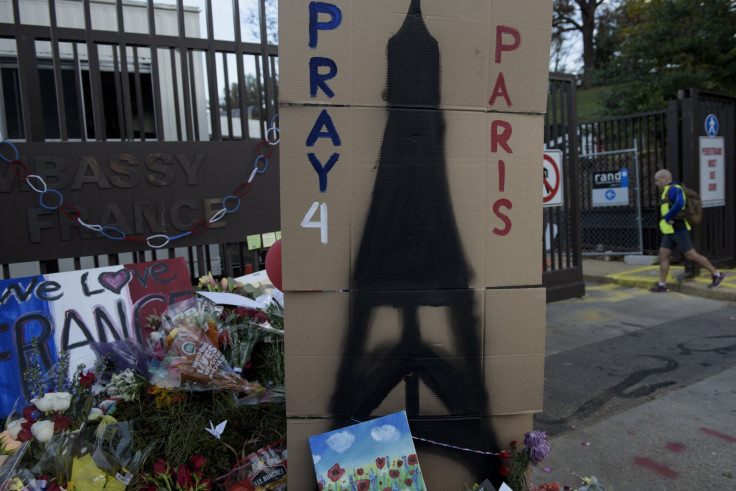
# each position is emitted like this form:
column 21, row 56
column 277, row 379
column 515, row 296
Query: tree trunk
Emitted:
column 587, row 13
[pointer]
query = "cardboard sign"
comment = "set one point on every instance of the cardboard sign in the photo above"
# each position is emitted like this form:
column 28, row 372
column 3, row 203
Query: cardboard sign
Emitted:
column 67, row 311
column 411, row 138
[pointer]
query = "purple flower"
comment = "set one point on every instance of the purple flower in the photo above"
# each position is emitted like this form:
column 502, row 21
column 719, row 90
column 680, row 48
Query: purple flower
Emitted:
column 536, row 442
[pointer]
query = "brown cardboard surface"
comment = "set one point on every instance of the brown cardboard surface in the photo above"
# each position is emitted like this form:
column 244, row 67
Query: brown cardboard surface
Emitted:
column 442, row 467
column 516, row 383
column 318, row 321
column 513, row 200
column 514, row 321
column 465, row 32
column 497, row 213
column 511, row 326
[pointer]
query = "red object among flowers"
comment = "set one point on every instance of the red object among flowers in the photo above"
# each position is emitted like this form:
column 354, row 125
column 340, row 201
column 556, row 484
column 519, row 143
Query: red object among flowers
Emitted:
column 412, row 459
column 87, row 379
column 335, row 473
column 408, row 481
column 504, row 470
column 363, row 485
column 380, row 462
column 61, row 422
column 184, row 477
column 393, row 473
column 399, row 463
column 504, row 454
column 197, row 461
column 161, row 467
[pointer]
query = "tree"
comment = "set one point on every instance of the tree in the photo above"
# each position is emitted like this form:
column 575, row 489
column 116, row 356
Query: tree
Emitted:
column 578, row 15
column 667, row 45
column 251, row 95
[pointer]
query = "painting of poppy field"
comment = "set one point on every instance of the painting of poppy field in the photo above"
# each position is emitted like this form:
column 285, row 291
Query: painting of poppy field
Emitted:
column 375, row 455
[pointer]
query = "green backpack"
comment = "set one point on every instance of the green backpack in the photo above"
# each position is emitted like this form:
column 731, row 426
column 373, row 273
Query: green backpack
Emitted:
column 693, row 211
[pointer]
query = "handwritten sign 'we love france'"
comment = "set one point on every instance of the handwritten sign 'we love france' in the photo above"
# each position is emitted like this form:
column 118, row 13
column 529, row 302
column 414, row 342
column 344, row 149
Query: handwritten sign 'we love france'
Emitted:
column 68, row 311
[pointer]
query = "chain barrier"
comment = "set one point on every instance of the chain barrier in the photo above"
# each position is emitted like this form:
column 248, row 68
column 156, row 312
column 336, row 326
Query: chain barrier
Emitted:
column 157, row 241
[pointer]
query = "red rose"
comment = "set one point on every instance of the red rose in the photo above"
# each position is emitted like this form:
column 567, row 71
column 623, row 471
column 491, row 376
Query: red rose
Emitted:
column 504, row 470
column 61, row 422
column 25, row 435
column 184, row 477
column 161, row 467
column 207, row 483
column 197, row 461
column 504, row 454
column 30, row 412
column 87, row 379
column 335, row 473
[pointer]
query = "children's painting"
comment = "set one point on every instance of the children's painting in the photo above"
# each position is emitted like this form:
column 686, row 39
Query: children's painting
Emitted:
column 375, row 455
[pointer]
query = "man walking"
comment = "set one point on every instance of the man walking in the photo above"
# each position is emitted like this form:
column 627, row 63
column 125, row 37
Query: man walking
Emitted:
column 676, row 232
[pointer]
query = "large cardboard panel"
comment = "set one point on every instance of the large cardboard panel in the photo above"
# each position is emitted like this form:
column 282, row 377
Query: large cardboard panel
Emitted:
column 491, row 167
column 329, row 358
column 443, row 467
column 312, row 258
column 477, row 41
column 514, row 205
column 321, row 352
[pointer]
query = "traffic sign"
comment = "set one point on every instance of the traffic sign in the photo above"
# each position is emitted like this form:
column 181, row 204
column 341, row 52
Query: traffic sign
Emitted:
column 552, row 178
column 711, row 125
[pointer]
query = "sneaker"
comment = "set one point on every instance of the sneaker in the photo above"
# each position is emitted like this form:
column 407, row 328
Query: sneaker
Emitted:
column 659, row 288
column 717, row 280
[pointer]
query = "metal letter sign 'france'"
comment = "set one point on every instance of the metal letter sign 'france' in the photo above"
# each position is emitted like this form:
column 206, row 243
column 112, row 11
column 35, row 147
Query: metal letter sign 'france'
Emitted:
column 411, row 225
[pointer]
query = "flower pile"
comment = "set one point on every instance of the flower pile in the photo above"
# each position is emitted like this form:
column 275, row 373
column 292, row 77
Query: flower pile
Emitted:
column 98, row 427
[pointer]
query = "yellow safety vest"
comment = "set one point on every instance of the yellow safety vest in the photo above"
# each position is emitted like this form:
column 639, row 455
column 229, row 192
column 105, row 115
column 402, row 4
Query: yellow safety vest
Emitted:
column 664, row 208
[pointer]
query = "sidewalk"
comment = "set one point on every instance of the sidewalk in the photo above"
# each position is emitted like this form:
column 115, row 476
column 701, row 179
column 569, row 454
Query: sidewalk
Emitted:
column 616, row 270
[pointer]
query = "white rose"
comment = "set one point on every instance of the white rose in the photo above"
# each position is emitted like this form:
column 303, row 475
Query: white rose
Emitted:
column 61, row 400
column 45, row 403
column 42, row 430
column 15, row 427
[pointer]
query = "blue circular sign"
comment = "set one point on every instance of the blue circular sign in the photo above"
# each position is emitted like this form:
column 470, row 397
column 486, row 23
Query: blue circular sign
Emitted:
column 610, row 194
column 711, row 125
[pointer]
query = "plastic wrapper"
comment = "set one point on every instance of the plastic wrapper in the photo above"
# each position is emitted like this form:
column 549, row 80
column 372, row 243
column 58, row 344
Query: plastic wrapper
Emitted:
column 124, row 354
column 193, row 361
column 262, row 470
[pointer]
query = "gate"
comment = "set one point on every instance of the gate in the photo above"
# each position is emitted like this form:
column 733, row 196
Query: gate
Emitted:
column 562, row 261
column 715, row 237
column 139, row 75
column 611, row 202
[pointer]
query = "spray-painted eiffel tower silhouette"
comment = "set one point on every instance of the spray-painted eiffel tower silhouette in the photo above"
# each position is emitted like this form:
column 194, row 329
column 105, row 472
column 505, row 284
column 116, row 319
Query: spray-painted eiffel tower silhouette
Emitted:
column 411, row 256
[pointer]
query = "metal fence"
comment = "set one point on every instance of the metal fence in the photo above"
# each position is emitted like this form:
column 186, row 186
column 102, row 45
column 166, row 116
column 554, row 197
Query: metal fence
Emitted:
column 611, row 202
column 651, row 132
column 140, row 71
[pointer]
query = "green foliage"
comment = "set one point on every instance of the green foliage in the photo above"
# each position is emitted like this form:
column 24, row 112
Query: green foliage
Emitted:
column 653, row 48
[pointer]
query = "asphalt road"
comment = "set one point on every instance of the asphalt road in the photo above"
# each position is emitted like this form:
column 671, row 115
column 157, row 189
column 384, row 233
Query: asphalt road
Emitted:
column 640, row 391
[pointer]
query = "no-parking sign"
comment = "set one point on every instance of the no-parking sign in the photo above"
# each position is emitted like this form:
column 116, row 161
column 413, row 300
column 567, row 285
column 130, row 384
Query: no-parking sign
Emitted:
column 552, row 178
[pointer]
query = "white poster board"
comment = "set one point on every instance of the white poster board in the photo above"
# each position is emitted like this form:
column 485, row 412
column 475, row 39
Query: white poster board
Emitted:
column 712, row 171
